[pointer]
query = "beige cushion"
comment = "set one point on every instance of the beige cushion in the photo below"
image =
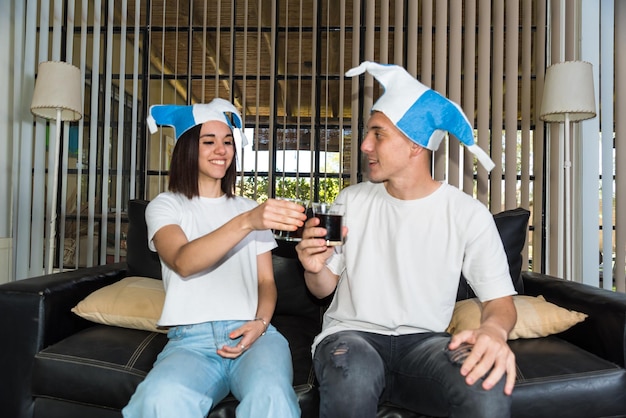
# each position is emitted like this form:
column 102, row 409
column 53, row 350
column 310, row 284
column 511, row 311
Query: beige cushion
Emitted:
column 535, row 317
column 133, row 302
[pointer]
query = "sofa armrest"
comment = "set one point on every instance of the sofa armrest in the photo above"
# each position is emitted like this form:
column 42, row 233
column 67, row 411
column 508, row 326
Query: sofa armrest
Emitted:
column 35, row 313
column 604, row 331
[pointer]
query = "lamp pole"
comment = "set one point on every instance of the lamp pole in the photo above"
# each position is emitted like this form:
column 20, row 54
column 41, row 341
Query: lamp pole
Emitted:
column 52, row 212
column 567, row 172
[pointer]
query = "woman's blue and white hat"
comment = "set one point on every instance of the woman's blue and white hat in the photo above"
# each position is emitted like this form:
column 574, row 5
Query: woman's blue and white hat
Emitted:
column 184, row 117
column 419, row 112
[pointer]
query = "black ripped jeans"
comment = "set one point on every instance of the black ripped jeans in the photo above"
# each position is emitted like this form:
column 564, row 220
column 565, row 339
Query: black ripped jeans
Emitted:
column 358, row 370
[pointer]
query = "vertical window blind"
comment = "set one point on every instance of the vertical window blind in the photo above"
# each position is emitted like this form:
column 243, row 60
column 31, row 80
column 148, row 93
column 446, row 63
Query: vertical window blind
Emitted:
column 282, row 63
column 614, row 146
column 589, row 30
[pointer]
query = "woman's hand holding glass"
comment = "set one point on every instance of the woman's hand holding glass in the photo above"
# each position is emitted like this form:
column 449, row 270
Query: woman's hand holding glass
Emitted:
column 288, row 234
column 277, row 214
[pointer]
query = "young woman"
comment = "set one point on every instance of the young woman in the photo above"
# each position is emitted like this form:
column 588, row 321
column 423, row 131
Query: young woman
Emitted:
column 215, row 251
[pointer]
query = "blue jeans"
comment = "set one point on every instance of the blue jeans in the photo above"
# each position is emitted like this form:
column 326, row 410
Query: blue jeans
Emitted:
column 358, row 370
column 189, row 377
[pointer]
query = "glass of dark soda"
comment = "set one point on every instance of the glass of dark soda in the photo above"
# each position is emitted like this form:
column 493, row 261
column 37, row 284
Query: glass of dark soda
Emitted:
column 291, row 235
column 331, row 218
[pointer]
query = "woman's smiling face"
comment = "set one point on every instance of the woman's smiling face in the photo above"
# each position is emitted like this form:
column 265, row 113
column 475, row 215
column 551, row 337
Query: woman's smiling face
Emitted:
column 216, row 150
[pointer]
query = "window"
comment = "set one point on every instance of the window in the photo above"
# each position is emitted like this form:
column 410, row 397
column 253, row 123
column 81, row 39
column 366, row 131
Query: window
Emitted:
column 282, row 63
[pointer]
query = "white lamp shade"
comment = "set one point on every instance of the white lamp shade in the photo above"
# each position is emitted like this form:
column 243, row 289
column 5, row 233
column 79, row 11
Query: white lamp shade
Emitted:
column 568, row 89
column 57, row 87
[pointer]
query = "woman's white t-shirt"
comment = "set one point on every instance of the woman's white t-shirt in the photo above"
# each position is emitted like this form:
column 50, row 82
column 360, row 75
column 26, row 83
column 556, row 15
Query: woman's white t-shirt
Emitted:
column 229, row 289
column 401, row 261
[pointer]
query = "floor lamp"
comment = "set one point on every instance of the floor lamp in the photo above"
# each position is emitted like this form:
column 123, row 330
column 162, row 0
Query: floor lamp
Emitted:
column 57, row 96
column 568, row 96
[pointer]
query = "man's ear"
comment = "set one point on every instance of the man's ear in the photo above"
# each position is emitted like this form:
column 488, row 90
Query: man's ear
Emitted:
column 417, row 149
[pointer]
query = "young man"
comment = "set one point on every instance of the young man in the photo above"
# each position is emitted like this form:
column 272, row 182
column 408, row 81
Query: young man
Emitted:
column 407, row 240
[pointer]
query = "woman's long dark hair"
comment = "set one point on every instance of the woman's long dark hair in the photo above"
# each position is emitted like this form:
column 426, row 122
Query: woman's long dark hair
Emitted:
column 184, row 167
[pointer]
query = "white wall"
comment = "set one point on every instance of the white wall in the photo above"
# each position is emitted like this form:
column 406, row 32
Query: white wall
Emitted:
column 586, row 266
column 6, row 260
column 6, row 138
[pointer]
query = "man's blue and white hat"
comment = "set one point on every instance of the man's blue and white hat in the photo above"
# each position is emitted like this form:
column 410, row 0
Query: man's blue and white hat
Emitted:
column 419, row 112
column 184, row 117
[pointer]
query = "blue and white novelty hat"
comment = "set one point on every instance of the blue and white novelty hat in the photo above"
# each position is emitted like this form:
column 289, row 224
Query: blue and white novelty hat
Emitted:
column 419, row 112
column 184, row 117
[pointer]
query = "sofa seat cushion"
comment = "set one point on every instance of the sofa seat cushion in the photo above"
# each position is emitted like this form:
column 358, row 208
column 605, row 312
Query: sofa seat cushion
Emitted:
column 555, row 379
column 550, row 369
column 102, row 365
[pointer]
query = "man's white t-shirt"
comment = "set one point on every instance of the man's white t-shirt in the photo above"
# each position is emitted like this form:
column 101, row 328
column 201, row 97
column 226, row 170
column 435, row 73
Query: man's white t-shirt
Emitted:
column 227, row 290
column 401, row 262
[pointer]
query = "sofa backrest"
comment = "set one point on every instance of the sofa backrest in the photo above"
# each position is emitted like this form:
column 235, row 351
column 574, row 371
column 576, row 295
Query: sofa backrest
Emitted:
column 293, row 296
column 140, row 259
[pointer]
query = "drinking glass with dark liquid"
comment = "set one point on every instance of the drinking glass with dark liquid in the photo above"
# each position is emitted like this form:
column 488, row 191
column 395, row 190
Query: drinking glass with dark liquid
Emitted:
column 331, row 218
column 297, row 234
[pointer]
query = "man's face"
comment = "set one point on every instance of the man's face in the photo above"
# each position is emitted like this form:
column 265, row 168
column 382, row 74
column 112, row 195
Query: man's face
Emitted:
column 387, row 150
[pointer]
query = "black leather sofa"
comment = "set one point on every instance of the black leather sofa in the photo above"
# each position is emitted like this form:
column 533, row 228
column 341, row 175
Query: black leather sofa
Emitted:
column 57, row 365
